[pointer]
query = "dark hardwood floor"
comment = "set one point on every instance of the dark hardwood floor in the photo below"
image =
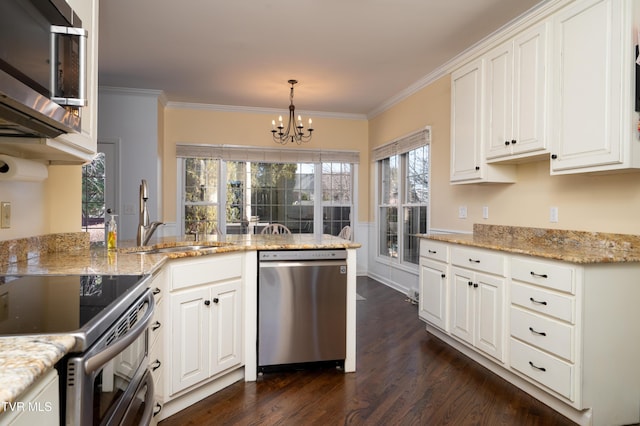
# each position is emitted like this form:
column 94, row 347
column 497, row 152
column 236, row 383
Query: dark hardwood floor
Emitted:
column 404, row 377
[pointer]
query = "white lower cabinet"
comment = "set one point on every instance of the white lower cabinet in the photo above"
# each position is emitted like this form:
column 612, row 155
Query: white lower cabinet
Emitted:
column 206, row 319
column 477, row 310
column 567, row 333
column 39, row 405
column 434, row 288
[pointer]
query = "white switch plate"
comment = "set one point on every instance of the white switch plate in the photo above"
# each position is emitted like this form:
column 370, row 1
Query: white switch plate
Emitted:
column 553, row 215
column 462, row 212
column 5, row 215
column 485, row 212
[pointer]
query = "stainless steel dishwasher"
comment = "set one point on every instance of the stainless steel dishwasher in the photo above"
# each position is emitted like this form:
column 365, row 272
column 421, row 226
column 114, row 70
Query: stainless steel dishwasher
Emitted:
column 302, row 307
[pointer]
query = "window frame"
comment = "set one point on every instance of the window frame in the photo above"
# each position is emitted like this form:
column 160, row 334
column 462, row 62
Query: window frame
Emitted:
column 319, row 204
column 386, row 151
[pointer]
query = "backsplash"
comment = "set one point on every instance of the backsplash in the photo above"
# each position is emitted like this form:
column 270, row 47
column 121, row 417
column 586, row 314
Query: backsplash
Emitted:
column 25, row 249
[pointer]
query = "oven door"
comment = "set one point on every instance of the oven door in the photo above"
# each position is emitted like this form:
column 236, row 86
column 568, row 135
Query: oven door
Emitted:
column 110, row 383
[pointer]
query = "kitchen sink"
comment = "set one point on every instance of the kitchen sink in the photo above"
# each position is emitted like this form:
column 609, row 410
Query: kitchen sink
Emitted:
column 182, row 248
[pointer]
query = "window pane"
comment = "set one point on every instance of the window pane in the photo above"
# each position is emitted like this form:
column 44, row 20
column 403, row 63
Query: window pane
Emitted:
column 93, row 203
column 415, row 222
column 417, row 188
column 389, row 180
column 334, row 218
column 200, row 219
column 201, row 180
column 389, row 232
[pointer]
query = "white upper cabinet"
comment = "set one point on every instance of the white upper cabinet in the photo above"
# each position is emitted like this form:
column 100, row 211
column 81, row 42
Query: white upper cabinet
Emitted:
column 72, row 148
column 467, row 127
column 516, row 101
column 593, row 117
column 84, row 144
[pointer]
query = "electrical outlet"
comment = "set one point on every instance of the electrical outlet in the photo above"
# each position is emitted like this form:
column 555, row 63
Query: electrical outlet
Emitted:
column 462, row 212
column 5, row 215
column 553, row 215
column 485, row 212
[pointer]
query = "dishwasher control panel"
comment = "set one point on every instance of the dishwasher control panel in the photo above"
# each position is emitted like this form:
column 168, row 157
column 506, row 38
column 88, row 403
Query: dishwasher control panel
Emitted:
column 278, row 255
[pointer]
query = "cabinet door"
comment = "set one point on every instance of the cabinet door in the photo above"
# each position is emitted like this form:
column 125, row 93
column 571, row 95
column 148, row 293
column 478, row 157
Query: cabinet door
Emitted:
column 587, row 114
column 530, row 90
column 189, row 337
column 433, row 293
column 226, row 326
column 489, row 304
column 466, row 121
column 86, row 141
column 499, row 100
column 462, row 317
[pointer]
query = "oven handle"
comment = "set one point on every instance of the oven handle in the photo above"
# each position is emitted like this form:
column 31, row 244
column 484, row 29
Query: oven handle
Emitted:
column 101, row 358
column 147, row 414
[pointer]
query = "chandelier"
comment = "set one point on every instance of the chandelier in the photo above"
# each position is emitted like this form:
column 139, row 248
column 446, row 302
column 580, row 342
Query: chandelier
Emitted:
column 295, row 129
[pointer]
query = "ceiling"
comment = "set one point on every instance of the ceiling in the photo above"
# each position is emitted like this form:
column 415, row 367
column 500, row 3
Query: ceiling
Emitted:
column 349, row 56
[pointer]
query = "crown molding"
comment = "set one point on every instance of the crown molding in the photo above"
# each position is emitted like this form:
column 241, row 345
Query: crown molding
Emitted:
column 259, row 110
column 510, row 29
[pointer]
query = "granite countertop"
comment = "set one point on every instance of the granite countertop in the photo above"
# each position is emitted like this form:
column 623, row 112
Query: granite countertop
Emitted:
column 24, row 359
column 569, row 246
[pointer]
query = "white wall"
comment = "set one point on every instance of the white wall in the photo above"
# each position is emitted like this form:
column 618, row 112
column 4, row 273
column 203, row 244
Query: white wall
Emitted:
column 131, row 117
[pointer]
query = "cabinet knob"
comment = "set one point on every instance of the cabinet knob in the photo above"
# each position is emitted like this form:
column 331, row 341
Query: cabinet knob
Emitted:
column 157, row 409
column 470, row 283
column 156, row 291
column 215, row 300
column 507, row 143
column 156, row 364
column 554, row 156
column 477, row 167
column 156, row 325
column 475, row 285
column 513, row 141
column 207, row 302
column 443, row 276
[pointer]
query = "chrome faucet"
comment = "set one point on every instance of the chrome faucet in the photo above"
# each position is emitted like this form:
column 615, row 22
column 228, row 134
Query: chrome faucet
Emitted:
column 145, row 229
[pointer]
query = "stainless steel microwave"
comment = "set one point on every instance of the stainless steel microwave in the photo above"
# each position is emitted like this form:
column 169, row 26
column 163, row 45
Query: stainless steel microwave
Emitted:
column 42, row 68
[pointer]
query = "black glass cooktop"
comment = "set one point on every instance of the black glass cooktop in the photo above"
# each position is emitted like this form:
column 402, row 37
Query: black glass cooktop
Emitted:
column 48, row 304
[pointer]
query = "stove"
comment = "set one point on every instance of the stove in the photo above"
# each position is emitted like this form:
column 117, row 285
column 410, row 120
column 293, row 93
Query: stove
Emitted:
column 84, row 306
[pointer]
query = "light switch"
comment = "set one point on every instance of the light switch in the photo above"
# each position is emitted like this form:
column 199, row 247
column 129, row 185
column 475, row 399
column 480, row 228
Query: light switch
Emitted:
column 5, row 215
column 462, row 212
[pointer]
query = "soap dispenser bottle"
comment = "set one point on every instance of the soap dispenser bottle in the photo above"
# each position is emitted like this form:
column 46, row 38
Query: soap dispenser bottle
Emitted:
column 112, row 232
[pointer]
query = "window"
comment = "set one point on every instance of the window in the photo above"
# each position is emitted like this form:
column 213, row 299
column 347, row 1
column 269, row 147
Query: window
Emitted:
column 201, row 196
column 337, row 193
column 93, row 199
column 305, row 196
column 403, row 196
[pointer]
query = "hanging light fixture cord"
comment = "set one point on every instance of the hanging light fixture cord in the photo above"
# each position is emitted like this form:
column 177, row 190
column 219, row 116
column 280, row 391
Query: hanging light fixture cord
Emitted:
column 295, row 129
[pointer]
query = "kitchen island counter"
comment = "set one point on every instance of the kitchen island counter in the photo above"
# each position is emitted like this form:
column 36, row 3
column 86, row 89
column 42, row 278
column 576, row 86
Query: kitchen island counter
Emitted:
column 130, row 260
column 23, row 360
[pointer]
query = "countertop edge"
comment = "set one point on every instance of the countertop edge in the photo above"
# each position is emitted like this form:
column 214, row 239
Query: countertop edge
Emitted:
column 578, row 255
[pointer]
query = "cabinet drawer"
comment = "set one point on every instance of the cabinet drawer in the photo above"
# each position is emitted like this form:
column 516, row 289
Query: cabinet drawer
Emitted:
column 479, row 260
column 544, row 333
column 545, row 302
column 545, row 274
column 545, row 369
column 434, row 250
column 209, row 270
